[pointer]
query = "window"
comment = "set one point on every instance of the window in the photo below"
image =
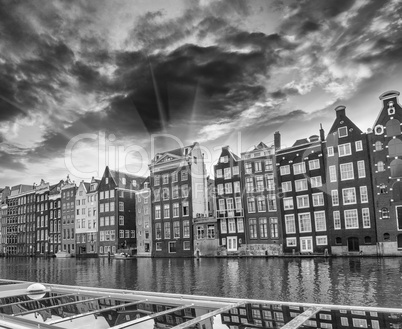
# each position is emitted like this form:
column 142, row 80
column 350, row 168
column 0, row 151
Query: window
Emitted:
column 232, row 225
column 291, row 242
column 259, row 182
column 229, row 204
column 378, row 146
column 165, row 193
column 184, row 175
column 316, row 181
column 253, row 228
column 235, row 170
column 257, row 166
column 321, row 240
column 156, row 180
column 270, row 182
column 157, row 193
column 248, row 168
column 172, row 246
column 263, row 228
column 318, row 199
column 361, row 171
column 175, row 192
column 301, row 185
column 380, row 166
column 261, row 204
column 302, row 201
column 271, row 202
column 286, row 186
column 185, row 208
column 330, row 151
column 184, row 191
column 351, row 219
column 288, row 203
column 363, row 194
column 359, row 146
column 359, row 323
column 342, row 132
column 346, row 171
column 332, row 173
column 249, row 184
column 157, row 212
column 121, row 206
column 166, row 211
column 299, row 168
column 284, row 170
column 220, row 189
column 251, row 205
column 304, row 222
column 186, row 245
column 158, row 246
column 268, row 165
column 240, row 225
column 200, row 232
column 175, row 210
column 236, row 187
column 219, row 173
column 314, row 164
column 274, row 227
column 366, row 217
column 221, row 203
column 335, row 197
column 290, row 225
column 228, row 188
column 320, row 222
column 186, row 229
column 384, row 213
column 175, row 177
column 211, row 231
column 167, row 230
column 344, row 149
column 227, row 173
column 349, row 195
column 224, row 228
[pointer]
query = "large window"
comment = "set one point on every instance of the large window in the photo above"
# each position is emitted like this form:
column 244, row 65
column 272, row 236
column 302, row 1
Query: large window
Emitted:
column 228, row 188
column 251, row 205
column 240, row 225
column 227, row 173
column 259, row 182
column 274, row 227
column 158, row 230
column 270, row 182
column 176, row 229
column 314, row 164
column 304, row 222
column 229, row 204
column 302, row 201
column 253, row 228
column 172, row 247
column 238, row 203
column 320, row 222
column 248, row 168
column 318, row 199
column 286, row 186
column 271, row 202
column 288, row 203
column 316, row 181
column 290, row 225
column 301, row 185
column 249, row 184
column 166, row 211
column 263, row 228
column 359, row 146
column 167, row 230
column 346, row 171
column 342, row 132
column 351, row 219
column 349, row 195
column 299, row 168
column 236, row 187
column 344, row 149
column 157, row 212
column 284, row 170
column 175, row 210
column 261, row 204
column 232, row 225
column 380, row 166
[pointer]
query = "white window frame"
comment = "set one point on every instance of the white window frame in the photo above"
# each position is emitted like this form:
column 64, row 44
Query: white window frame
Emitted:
column 344, row 150
column 344, row 195
column 359, row 146
column 301, row 185
column 309, row 242
column 291, row 242
column 356, row 219
column 308, row 223
column 335, row 197
column 339, row 131
column 347, row 174
column 227, row 173
column 314, row 164
column 321, row 243
column 332, row 174
column 219, row 173
column 337, row 220
column 318, row 199
column 366, row 218
column 316, row 181
column 288, row 203
column 363, row 194
column 318, row 217
column 304, row 205
column 299, row 168
column 330, row 151
column 361, row 169
column 286, row 186
column 290, row 224
column 284, row 170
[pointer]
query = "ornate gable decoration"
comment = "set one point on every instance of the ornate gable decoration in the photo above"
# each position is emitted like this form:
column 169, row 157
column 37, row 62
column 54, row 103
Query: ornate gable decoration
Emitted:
column 167, row 157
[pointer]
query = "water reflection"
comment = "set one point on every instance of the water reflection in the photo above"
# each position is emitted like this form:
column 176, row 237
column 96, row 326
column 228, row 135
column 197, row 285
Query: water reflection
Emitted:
column 349, row 281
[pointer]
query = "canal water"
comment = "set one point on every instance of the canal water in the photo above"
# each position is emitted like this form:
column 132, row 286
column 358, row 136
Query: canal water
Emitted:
column 348, row 281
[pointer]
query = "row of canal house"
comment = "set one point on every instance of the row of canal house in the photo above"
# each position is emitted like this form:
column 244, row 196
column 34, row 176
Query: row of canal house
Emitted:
column 339, row 193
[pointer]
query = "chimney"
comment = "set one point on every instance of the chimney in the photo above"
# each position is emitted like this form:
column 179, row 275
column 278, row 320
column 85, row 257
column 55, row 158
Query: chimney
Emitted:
column 322, row 133
column 277, row 140
column 340, row 111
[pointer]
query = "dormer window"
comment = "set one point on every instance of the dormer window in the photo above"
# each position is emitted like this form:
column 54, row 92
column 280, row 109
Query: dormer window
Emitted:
column 92, row 187
column 343, row 132
column 391, row 108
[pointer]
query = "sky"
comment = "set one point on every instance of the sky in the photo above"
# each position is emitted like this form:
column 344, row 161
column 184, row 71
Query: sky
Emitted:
column 86, row 84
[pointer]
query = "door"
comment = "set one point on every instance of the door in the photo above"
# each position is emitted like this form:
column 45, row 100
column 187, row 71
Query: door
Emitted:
column 232, row 243
column 306, row 244
column 353, row 244
column 400, row 241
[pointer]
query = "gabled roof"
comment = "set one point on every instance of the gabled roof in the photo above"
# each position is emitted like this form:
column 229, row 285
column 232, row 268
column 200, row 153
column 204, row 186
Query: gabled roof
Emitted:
column 174, row 153
column 261, row 146
column 301, row 141
column 129, row 178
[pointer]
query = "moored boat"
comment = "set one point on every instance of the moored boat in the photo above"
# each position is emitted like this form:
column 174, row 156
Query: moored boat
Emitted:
column 63, row 254
column 123, row 256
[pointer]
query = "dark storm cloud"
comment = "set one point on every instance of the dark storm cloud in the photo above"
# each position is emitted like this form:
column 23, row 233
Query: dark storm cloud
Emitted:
column 283, row 93
column 11, row 161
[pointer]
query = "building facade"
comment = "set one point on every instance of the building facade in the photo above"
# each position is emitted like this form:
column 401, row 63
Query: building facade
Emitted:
column 262, row 214
column 350, row 198
column 179, row 194
column 303, row 202
column 230, row 209
column 68, row 192
column 42, row 218
column 385, row 144
column 143, row 210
